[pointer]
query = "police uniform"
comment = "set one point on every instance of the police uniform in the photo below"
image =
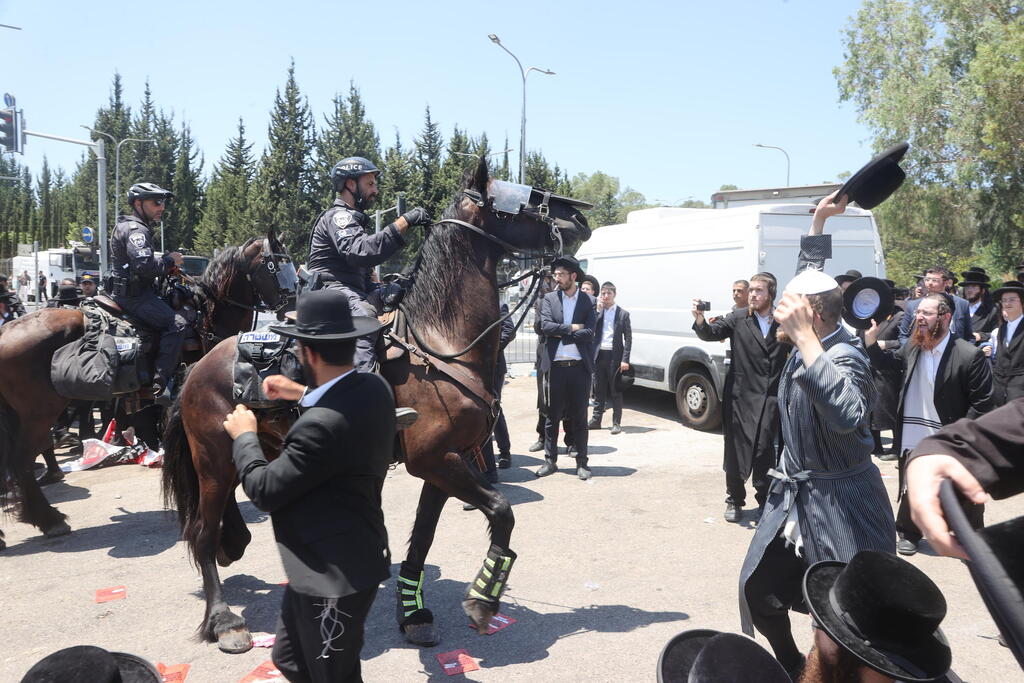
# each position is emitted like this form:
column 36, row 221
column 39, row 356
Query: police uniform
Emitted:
column 134, row 269
column 341, row 255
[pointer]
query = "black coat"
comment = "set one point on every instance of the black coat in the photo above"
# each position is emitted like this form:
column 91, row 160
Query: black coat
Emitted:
column 887, row 379
column 324, row 491
column 1008, row 366
column 505, row 336
column 750, row 409
column 622, row 336
column 555, row 329
column 986, row 319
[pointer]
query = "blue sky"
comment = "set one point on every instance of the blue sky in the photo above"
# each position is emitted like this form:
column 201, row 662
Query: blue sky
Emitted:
column 669, row 97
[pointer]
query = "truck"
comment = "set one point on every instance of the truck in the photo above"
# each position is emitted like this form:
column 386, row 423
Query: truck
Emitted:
column 59, row 263
column 662, row 258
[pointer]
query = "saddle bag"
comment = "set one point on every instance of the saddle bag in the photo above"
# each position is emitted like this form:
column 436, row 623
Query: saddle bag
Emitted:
column 104, row 361
column 259, row 354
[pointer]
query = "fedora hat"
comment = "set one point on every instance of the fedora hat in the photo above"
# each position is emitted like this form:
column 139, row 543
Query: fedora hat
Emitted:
column 593, row 283
column 624, row 379
column 848, row 276
column 571, row 264
column 867, row 299
column 996, row 566
column 975, row 276
column 883, row 610
column 879, row 178
column 706, row 656
column 324, row 316
column 89, row 664
column 1009, row 286
column 69, row 294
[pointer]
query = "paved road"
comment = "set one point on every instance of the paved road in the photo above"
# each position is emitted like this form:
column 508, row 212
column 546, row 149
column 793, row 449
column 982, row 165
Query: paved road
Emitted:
column 608, row 570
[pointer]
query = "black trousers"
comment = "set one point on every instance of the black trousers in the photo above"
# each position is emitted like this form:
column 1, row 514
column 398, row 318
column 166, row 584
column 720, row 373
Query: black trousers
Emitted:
column 157, row 315
column 366, row 346
column 320, row 643
column 604, row 381
column 542, row 413
column 771, row 591
column 568, row 395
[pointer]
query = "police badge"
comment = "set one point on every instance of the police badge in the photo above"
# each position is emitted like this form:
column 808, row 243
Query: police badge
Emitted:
column 339, row 219
column 137, row 239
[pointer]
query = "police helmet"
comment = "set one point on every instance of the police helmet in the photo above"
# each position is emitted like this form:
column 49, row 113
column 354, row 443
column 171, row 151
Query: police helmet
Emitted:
column 147, row 191
column 351, row 167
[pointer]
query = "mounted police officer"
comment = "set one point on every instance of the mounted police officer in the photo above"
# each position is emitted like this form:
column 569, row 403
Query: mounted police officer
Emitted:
column 342, row 252
column 135, row 268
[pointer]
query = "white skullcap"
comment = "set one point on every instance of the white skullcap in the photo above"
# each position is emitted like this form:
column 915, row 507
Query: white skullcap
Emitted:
column 811, row 282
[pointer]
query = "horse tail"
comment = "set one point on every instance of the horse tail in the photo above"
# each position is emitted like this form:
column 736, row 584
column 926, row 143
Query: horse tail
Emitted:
column 10, row 426
column 180, row 482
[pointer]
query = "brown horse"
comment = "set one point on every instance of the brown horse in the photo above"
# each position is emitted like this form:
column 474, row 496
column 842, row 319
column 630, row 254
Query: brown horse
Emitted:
column 229, row 292
column 443, row 367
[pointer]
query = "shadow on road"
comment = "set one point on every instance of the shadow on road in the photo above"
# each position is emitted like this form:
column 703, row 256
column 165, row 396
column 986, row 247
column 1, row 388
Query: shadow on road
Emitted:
column 261, row 600
column 527, row 640
column 130, row 534
column 653, row 402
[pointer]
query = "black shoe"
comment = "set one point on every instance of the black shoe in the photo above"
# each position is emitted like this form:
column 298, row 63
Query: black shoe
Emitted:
column 583, row 472
column 504, row 461
column 594, row 424
column 547, row 468
column 536, row 446
column 616, row 429
column 888, row 457
column 905, row 546
column 732, row 512
column 50, row 477
column 161, row 393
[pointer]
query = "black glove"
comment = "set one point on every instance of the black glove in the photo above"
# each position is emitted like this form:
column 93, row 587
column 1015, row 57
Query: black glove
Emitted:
column 418, row 216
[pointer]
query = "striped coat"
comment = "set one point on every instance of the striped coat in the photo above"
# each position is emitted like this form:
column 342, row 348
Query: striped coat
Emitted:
column 841, row 501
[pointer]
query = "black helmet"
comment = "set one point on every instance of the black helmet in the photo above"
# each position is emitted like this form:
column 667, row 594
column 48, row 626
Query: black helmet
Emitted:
column 351, row 167
column 147, row 191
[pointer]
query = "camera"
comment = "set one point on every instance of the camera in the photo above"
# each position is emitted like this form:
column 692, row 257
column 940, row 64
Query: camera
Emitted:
column 703, row 305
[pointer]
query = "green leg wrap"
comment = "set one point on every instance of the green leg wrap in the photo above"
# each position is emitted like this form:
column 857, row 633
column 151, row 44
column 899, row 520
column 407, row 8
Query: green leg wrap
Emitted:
column 410, row 608
column 490, row 583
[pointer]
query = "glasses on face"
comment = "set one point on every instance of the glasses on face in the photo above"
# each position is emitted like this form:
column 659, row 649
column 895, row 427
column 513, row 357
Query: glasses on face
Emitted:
column 159, row 202
column 560, row 274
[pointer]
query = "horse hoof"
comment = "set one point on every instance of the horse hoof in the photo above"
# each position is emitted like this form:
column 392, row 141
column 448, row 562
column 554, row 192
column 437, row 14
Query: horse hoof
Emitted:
column 222, row 558
column 480, row 613
column 61, row 528
column 235, row 641
column 425, row 635
column 51, row 477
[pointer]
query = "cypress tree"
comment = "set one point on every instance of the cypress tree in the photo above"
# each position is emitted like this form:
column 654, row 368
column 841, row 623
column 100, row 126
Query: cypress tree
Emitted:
column 347, row 133
column 186, row 209
column 226, row 217
column 428, row 146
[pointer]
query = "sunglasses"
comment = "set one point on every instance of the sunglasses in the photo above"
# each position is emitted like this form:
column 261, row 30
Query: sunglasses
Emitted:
column 159, row 202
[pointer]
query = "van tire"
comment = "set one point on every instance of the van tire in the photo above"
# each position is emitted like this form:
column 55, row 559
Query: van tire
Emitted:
column 697, row 401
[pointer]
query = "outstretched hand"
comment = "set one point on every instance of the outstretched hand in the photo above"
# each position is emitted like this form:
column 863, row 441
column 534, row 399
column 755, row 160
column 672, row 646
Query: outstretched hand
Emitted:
column 827, row 208
column 924, row 475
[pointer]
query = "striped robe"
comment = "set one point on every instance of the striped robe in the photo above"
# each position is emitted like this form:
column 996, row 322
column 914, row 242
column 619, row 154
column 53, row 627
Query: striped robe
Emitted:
column 825, row 412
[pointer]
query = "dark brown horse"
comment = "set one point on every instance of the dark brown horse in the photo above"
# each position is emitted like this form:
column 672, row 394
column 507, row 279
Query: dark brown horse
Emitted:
column 234, row 283
column 442, row 366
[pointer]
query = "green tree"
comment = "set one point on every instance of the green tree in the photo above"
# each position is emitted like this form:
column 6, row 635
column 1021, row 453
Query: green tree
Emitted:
column 611, row 202
column 347, row 132
column 428, row 147
column 226, row 216
column 186, row 209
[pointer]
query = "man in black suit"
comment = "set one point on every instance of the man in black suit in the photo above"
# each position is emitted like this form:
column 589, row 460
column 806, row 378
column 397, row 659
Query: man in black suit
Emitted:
column 1008, row 349
column 567, row 320
column 324, row 491
column 935, row 281
column 944, row 379
column 984, row 313
column 614, row 340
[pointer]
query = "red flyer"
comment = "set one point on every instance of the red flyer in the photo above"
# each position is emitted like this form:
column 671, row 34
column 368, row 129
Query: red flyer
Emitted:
column 173, row 673
column 113, row 593
column 457, row 662
column 264, row 672
column 498, row 622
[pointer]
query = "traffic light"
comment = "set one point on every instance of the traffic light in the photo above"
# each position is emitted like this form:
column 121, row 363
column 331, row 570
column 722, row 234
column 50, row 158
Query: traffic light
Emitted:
column 10, row 138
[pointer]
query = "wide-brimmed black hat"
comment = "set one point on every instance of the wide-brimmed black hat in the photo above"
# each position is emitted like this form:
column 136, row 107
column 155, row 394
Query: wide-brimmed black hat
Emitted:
column 872, row 184
column 883, row 610
column 89, row 664
column 324, row 316
column 624, row 379
column 69, row 294
column 975, row 276
column 997, row 566
column 706, row 656
column 593, row 282
column 867, row 299
column 849, row 276
column 571, row 264
column 1009, row 286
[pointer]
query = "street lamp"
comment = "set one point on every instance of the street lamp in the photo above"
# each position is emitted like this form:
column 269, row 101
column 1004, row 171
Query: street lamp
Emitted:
column 758, row 144
column 522, row 132
column 117, row 156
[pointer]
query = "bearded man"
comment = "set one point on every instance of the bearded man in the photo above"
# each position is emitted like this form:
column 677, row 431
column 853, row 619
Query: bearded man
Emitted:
column 944, row 379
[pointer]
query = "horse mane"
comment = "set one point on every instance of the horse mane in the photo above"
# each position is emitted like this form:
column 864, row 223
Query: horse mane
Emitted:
column 224, row 268
column 443, row 257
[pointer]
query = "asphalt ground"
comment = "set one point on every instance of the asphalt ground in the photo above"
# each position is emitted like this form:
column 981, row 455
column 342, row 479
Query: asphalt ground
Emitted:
column 608, row 570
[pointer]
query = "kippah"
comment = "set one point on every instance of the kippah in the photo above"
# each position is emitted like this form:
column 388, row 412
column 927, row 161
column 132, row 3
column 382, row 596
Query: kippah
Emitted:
column 811, row 281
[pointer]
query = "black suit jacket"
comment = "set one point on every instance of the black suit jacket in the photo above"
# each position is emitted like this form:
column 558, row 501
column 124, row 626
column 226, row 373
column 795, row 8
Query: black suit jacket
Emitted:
column 963, row 381
column 622, row 336
column 1008, row 366
column 555, row 329
column 324, row 491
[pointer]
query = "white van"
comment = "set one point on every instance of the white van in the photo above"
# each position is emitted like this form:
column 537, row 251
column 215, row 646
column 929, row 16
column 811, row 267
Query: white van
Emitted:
column 661, row 259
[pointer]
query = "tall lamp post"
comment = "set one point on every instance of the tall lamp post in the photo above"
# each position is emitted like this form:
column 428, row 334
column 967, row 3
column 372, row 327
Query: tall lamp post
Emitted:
column 522, row 131
column 758, row 144
column 117, row 156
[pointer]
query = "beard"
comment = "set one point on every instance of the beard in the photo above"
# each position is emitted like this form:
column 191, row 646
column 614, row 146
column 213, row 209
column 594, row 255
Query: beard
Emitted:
column 929, row 336
column 846, row 668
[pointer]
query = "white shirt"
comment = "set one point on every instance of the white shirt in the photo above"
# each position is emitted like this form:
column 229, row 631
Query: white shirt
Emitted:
column 313, row 397
column 1011, row 329
column 928, row 361
column 608, row 330
column 765, row 322
column 568, row 351
column 920, row 416
column 973, row 308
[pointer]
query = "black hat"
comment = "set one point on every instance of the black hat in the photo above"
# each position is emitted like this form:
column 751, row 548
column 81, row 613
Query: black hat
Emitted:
column 867, row 299
column 883, row 610
column 324, row 316
column 1009, row 286
column 888, row 282
column 69, row 294
column 975, row 276
column 89, row 664
column 623, row 379
column 848, row 276
column 996, row 566
column 706, row 656
column 571, row 264
column 594, row 283
column 872, row 184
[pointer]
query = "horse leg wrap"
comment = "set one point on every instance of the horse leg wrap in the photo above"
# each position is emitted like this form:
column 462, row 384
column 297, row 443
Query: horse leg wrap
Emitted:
column 490, row 583
column 410, row 597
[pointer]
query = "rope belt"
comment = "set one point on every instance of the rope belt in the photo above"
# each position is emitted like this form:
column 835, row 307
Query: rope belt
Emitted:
column 792, row 482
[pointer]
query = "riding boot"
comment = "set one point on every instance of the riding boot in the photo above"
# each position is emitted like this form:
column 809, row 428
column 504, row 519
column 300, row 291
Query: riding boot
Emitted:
column 491, row 582
column 410, row 597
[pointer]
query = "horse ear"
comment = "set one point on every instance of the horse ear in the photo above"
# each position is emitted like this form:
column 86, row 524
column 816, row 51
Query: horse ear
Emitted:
column 271, row 236
column 477, row 179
